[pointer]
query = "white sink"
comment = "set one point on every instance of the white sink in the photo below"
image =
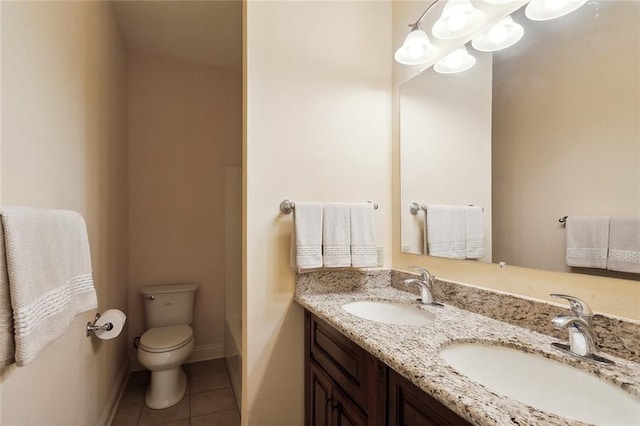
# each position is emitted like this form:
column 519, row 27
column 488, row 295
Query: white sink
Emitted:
column 544, row 384
column 389, row 312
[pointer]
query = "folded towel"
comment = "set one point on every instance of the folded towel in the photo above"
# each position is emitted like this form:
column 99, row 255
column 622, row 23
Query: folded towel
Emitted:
column 336, row 236
column 587, row 241
column 446, row 231
column 49, row 270
column 475, row 232
column 307, row 235
column 7, row 347
column 624, row 244
column 363, row 236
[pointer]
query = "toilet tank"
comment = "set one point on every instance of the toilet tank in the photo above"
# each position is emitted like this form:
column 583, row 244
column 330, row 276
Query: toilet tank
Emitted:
column 169, row 304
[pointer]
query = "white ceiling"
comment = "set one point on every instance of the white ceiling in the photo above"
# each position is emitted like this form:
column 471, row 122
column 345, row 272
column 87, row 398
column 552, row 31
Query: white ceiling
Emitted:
column 206, row 32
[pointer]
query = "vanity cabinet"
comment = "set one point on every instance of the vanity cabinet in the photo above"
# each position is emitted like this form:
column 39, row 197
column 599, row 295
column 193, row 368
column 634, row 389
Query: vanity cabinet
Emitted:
column 347, row 386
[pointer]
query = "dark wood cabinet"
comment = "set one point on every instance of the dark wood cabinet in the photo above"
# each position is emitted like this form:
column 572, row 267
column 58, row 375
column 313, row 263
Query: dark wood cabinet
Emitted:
column 320, row 392
column 341, row 379
column 347, row 386
column 409, row 405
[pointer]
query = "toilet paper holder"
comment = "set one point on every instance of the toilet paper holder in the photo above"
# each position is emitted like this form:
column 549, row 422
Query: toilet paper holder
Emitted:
column 92, row 328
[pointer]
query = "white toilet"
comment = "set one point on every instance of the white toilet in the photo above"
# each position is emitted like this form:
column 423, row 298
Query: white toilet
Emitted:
column 168, row 341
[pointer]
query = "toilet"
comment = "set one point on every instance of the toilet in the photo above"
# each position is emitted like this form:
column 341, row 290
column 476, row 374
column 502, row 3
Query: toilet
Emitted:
column 168, row 341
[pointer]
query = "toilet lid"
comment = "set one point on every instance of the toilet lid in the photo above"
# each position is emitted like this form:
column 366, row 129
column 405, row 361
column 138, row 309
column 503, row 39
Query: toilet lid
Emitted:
column 163, row 339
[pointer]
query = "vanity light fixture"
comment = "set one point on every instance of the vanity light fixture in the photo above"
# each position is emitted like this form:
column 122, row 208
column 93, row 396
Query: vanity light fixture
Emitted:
column 416, row 49
column 457, row 61
column 459, row 18
column 543, row 10
column 503, row 34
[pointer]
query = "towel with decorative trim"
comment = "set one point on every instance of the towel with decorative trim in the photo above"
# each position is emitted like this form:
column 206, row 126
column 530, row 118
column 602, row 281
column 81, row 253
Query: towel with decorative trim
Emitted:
column 306, row 238
column 336, row 236
column 364, row 252
column 624, row 245
column 587, row 241
column 50, row 279
column 447, row 231
column 474, row 232
column 7, row 347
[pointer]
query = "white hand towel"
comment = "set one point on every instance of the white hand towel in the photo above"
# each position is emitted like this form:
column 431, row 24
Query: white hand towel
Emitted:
column 363, row 236
column 307, row 235
column 50, row 279
column 587, row 241
column 336, row 236
column 446, row 231
column 7, row 347
column 475, row 232
column 624, row 245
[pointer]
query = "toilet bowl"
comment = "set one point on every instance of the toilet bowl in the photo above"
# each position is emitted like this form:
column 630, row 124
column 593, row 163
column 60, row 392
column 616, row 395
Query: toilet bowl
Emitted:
column 168, row 342
column 162, row 350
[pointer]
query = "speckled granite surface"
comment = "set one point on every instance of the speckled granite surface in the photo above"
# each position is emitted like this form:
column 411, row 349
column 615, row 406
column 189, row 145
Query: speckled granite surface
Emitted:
column 413, row 351
column 614, row 336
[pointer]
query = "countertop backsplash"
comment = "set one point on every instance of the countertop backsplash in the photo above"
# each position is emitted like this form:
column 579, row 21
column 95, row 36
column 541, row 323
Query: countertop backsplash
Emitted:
column 614, row 336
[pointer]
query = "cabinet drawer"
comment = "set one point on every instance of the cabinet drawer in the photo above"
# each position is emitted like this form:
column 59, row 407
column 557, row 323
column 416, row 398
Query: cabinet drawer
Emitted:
column 345, row 361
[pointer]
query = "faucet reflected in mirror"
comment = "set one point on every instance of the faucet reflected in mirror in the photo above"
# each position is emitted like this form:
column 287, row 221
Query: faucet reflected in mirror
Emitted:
column 544, row 129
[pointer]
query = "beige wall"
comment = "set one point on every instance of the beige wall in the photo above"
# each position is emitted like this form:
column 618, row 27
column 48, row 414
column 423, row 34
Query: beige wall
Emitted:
column 184, row 128
column 614, row 296
column 566, row 132
column 317, row 128
column 64, row 146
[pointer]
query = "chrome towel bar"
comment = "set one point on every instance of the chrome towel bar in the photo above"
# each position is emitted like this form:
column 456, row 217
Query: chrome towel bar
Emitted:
column 287, row 206
column 415, row 208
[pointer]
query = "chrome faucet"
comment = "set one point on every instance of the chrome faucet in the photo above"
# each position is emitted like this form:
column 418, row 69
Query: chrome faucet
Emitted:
column 578, row 323
column 425, row 283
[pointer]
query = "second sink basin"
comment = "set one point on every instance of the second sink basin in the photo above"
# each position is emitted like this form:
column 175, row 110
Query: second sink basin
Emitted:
column 389, row 312
column 544, row 384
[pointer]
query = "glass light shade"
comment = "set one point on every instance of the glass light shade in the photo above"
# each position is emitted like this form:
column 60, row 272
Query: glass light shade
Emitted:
column 416, row 49
column 459, row 18
column 457, row 61
column 499, row 36
column 543, row 10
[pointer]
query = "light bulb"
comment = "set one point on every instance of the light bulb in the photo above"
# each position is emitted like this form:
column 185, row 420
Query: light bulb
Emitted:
column 500, row 36
column 457, row 61
column 416, row 49
column 457, row 22
column 459, row 18
column 543, row 10
column 497, row 33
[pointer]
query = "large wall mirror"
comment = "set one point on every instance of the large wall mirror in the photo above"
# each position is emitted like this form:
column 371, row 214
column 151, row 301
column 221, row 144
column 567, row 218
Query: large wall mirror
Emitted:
column 547, row 128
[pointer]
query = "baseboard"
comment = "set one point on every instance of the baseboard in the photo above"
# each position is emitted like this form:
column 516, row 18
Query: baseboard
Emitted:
column 110, row 408
column 200, row 353
column 203, row 353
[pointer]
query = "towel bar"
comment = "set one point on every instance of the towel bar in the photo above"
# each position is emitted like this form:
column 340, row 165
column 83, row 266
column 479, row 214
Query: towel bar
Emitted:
column 415, row 208
column 287, row 206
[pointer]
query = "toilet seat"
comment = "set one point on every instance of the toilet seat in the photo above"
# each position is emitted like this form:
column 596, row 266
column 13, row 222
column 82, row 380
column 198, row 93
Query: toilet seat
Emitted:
column 165, row 339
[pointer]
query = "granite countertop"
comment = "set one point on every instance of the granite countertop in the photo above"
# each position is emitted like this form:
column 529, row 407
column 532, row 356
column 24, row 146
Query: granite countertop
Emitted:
column 413, row 351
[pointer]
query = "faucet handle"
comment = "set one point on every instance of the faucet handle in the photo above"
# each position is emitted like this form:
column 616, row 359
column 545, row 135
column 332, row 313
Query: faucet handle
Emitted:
column 424, row 274
column 578, row 306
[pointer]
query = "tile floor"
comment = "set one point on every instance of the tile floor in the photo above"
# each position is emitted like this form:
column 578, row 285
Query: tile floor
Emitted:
column 209, row 400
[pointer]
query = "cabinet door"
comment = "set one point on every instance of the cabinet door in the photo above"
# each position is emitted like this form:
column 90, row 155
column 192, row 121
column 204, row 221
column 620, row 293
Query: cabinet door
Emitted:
column 345, row 411
column 320, row 393
column 410, row 406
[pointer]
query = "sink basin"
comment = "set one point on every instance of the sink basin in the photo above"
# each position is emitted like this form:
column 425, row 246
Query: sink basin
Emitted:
column 389, row 312
column 544, row 384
